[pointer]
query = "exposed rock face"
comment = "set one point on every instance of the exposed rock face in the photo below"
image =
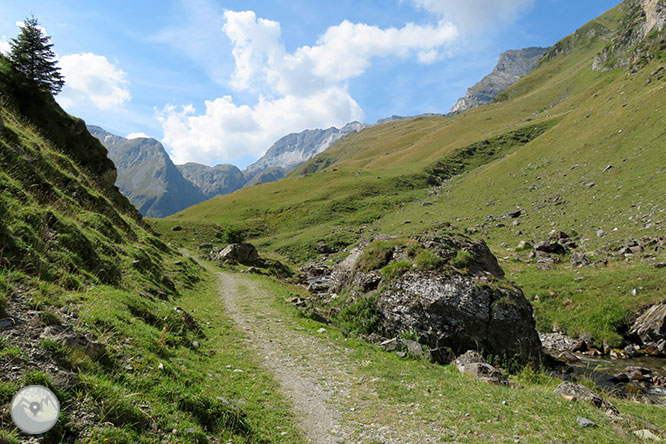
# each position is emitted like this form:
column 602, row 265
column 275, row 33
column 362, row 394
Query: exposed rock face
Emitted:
column 296, row 148
column 655, row 16
column 242, row 253
column 651, row 325
column 456, row 312
column 459, row 306
column 213, row 181
column 512, row 65
column 147, row 176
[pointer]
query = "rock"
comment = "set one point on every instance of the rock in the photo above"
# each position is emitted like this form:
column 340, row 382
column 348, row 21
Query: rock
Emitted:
column 205, row 246
column 442, row 355
column 399, row 344
column 567, row 357
column 608, row 168
column 600, row 233
column 651, row 325
column 486, row 373
column 407, row 222
column 645, row 435
column 557, row 341
column 324, row 249
column 550, row 246
column 455, row 311
column 579, row 260
column 178, row 263
column 176, row 228
column 523, row 245
column 578, row 392
column 469, row 357
column 584, row 422
column 514, row 214
column 590, row 185
column 70, row 338
column 322, row 330
column 244, row 253
column 391, row 345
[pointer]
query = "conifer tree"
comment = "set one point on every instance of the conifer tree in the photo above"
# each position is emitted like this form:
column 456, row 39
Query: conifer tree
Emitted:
column 32, row 56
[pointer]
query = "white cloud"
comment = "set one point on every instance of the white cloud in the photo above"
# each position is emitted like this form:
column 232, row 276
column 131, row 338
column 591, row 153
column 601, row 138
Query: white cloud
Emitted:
column 472, row 15
column 91, row 78
column 4, row 45
column 307, row 88
column 136, row 136
column 227, row 132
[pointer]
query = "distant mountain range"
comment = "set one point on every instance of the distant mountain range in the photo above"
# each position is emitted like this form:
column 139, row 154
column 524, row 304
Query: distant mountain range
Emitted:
column 158, row 188
column 511, row 66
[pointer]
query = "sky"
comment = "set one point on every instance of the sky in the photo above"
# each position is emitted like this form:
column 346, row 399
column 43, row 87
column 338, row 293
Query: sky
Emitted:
column 219, row 81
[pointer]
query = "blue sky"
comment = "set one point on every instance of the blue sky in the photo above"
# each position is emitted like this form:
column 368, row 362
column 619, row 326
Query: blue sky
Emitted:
column 218, row 81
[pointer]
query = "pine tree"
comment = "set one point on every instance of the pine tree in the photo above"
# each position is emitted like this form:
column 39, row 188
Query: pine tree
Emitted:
column 31, row 55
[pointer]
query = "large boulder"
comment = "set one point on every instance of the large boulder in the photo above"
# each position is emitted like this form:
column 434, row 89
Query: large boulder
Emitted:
column 460, row 312
column 244, row 253
column 651, row 325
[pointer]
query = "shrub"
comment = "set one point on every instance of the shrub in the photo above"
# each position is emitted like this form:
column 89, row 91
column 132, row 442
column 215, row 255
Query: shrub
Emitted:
column 233, row 235
column 393, row 271
column 361, row 317
column 428, row 260
column 463, row 259
column 377, row 254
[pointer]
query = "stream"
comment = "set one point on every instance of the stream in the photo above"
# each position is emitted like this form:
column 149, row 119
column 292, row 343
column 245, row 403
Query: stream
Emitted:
column 600, row 370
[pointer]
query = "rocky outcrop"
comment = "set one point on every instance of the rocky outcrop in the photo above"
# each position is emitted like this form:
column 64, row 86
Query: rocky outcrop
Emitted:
column 449, row 292
column 455, row 311
column 512, row 65
column 650, row 327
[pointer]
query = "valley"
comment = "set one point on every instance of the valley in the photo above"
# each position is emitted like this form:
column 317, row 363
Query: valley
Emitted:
column 494, row 274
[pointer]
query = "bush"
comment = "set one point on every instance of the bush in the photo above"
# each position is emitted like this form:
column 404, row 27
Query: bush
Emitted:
column 463, row 259
column 233, row 235
column 428, row 260
column 377, row 254
column 393, row 271
column 361, row 317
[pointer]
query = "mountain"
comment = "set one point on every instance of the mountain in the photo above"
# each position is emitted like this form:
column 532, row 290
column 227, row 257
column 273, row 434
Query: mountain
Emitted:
column 213, row 181
column 147, row 176
column 511, row 66
column 296, row 148
column 570, row 150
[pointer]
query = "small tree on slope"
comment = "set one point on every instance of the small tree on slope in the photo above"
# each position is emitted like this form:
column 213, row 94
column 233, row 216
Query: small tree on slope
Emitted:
column 31, row 55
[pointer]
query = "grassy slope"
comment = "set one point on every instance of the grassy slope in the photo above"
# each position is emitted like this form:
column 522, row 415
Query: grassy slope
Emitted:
column 75, row 254
column 375, row 180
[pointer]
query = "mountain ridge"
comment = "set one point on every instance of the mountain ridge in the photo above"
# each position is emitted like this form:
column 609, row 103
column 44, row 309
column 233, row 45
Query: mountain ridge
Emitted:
column 512, row 65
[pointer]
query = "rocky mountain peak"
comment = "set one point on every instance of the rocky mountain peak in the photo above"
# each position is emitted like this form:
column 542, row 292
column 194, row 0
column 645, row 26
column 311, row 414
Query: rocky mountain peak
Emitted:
column 512, row 65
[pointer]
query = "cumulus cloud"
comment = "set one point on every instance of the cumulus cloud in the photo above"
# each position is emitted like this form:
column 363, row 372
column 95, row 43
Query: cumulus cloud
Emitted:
column 4, row 45
column 307, row 88
column 91, row 78
column 227, row 132
column 475, row 14
column 136, row 136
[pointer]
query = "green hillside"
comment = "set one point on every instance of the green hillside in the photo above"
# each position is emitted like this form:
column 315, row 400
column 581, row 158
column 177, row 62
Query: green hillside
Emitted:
column 576, row 149
column 96, row 307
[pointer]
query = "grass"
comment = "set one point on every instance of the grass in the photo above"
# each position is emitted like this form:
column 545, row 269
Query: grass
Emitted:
column 457, row 407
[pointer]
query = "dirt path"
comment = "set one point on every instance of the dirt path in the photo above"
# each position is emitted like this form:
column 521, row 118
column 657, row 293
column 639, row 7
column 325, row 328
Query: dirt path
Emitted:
column 300, row 362
column 316, row 373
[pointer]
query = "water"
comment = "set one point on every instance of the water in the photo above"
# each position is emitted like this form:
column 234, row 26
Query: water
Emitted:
column 601, row 369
